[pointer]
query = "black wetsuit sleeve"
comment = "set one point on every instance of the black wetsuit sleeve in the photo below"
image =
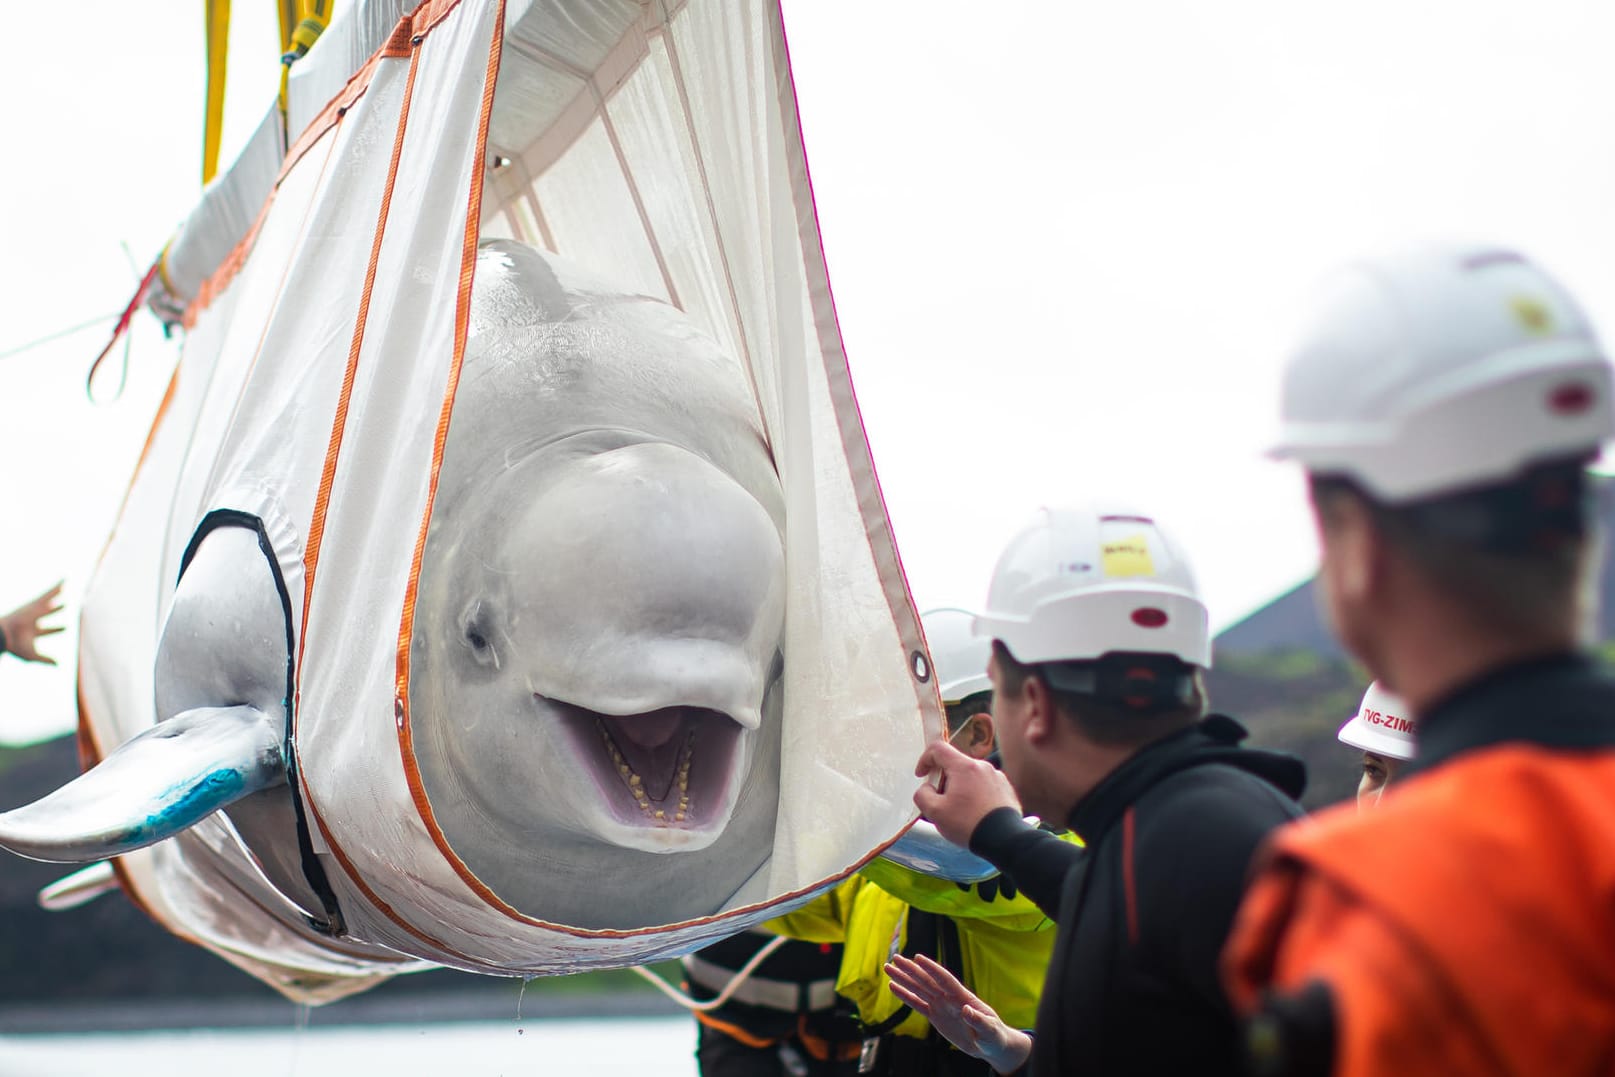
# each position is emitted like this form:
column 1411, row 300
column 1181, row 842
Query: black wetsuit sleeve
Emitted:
column 1035, row 860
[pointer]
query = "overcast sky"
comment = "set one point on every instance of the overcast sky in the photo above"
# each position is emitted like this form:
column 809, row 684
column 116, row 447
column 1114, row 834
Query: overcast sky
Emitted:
column 1065, row 239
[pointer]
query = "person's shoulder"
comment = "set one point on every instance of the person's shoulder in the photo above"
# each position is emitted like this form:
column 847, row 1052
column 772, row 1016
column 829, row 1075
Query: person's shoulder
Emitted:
column 1216, row 794
column 1426, row 822
column 1484, row 803
column 1206, row 825
column 1582, row 677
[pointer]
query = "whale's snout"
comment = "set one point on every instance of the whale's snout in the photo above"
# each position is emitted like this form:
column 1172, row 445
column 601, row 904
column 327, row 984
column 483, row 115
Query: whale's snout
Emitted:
column 659, row 582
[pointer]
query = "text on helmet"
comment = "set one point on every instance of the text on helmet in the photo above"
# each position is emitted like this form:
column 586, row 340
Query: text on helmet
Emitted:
column 1389, row 721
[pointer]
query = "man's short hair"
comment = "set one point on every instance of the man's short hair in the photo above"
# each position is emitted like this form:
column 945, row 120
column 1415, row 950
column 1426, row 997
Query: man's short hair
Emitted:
column 1495, row 552
column 967, row 708
column 1101, row 718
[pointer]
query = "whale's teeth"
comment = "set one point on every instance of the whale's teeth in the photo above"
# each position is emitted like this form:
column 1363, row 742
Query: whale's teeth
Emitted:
column 636, row 784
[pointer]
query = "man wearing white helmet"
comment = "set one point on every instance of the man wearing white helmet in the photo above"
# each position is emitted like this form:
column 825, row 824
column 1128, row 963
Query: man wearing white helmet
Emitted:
column 1099, row 643
column 1445, row 407
column 1382, row 731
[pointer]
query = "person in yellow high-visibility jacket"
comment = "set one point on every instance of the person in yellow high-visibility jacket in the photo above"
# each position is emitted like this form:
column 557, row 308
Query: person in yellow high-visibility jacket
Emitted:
column 994, row 939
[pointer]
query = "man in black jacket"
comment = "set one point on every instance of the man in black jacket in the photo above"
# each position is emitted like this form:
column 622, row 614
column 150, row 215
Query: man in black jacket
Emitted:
column 1099, row 641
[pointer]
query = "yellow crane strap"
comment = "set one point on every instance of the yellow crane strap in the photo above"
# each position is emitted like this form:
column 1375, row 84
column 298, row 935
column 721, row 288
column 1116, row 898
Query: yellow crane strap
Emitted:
column 287, row 10
column 313, row 15
column 301, row 24
column 218, row 49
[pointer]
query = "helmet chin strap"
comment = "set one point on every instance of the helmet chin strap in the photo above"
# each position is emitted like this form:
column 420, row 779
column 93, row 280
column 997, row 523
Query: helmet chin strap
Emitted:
column 1141, row 682
column 1547, row 506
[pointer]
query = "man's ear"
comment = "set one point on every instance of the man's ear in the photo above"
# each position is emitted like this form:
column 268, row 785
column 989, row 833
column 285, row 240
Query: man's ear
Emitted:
column 982, row 738
column 1354, row 550
column 1038, row 702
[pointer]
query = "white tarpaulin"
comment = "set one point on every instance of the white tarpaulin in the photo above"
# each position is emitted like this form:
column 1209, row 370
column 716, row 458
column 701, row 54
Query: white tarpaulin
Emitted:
column 657, row 143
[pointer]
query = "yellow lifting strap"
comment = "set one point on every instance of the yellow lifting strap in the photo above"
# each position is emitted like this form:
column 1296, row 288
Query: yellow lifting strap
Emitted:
column 287, row 10
column 312, row 17
column 301, row 24
column 218, row 51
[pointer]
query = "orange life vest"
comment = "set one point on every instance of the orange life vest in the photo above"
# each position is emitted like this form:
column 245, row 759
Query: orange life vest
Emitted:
column 1466, row 925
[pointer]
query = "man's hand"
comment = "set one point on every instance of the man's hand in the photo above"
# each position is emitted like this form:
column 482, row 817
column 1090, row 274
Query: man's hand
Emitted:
column 22, row 627
column 963, row 1019
column 967, row 790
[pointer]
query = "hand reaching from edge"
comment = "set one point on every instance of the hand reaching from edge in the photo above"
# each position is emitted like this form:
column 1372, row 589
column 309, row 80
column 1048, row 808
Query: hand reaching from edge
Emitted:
column 957, row 1014
column 968, row 790
column 22, row 628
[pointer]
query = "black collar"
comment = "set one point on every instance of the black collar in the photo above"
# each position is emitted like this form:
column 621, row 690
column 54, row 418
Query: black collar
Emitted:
column 1214, row 739
column 1559, row 701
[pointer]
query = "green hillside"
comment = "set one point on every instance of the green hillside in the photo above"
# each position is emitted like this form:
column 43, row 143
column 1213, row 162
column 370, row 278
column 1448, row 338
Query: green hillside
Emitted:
column 1295, row 701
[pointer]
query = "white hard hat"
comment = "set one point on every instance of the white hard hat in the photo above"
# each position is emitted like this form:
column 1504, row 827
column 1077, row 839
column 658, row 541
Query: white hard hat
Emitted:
column 1080, row 583
column 958, row 657
column 1383, row 725
column 1442, row 369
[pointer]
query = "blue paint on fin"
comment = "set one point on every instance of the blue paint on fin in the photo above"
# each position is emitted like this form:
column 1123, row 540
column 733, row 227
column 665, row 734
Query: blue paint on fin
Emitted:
column 190, row 804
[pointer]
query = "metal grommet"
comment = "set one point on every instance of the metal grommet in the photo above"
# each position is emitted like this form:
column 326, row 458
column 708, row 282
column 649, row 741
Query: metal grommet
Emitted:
column 921, row 666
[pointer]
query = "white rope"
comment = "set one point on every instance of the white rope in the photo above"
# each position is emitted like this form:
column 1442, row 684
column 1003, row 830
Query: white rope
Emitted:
column 59, row 334
column 723, row 996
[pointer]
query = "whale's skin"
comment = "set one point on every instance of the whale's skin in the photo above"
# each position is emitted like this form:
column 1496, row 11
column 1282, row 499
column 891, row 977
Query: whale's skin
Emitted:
column 608, row 531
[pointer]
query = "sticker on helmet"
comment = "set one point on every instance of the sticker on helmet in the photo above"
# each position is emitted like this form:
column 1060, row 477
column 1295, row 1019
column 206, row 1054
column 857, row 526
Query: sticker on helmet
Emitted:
column 1533, row 314
column 1128, row 556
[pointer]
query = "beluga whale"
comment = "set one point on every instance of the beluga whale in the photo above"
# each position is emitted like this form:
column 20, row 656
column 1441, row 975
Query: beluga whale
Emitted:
column 595, row 656
column 606, row 586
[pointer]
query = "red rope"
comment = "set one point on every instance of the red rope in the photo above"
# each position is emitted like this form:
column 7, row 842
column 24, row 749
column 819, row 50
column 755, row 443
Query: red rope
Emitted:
column 122, row 327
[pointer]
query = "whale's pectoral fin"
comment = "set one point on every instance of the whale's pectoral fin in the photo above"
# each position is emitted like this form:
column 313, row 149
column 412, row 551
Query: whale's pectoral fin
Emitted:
column 79, row 888
column 154, row 786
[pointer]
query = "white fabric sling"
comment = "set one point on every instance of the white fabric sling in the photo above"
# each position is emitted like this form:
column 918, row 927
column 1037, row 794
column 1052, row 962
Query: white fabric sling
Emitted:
column 656, row 142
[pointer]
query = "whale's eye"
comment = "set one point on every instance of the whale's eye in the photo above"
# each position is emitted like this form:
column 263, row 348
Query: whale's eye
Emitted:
column 474, row 635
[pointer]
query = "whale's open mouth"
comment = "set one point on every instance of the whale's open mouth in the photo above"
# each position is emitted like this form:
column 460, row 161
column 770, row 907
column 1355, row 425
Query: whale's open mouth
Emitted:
column 667, row 769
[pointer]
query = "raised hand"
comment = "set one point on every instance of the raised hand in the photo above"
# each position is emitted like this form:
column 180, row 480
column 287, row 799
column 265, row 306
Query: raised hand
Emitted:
column 22, row 628
column 957, row 1014
column 969, row 788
